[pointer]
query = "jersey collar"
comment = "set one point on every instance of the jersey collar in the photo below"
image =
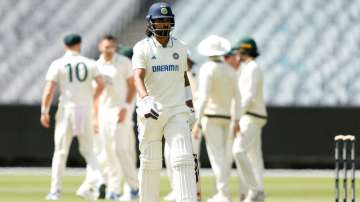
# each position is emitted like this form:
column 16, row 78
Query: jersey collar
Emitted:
column 158, row 44
column 71, row 53
column 248, row 62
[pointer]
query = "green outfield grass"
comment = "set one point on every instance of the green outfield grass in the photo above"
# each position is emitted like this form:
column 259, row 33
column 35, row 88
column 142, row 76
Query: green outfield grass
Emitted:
column 24, row 188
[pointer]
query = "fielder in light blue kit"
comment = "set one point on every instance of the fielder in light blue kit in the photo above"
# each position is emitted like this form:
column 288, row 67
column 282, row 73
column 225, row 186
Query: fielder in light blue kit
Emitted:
column 164, row 107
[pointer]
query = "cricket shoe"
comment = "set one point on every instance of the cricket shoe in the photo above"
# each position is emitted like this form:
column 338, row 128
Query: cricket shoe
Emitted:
column 102, row 191
column 255, row 196
column 219, row 197
column 242, row 197
column 88, row 193
column 112, row 196
column 53, row 196
column 171, row 196
column 133, row 195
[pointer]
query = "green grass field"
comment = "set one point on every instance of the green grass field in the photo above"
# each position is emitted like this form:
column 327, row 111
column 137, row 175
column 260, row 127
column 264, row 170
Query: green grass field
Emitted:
column 32, row 188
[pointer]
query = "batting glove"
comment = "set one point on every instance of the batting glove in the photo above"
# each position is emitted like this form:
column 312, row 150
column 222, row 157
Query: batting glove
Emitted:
column 147, row 108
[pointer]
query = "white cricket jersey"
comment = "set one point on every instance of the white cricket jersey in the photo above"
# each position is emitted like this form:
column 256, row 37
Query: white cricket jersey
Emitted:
column 73, row 73
column 251, row 83
column 165, row 67
column 218, row 90
column 115, row 74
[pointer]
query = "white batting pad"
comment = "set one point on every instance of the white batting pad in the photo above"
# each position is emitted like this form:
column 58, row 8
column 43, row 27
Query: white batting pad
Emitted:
column 149, row 174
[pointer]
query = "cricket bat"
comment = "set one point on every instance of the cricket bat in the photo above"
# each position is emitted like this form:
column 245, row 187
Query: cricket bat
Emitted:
column 197, row 175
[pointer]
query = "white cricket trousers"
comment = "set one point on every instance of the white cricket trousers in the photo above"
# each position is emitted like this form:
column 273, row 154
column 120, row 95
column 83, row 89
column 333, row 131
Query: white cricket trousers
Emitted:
column 118, row 146
column 174, row 125
column 196, row 143
column 103, row 171
column 72, row 121
column 219, row 142
column 247, row 151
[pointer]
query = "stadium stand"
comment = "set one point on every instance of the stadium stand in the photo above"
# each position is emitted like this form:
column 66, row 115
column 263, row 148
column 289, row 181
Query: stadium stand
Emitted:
column 30, row 39
column 310, row 49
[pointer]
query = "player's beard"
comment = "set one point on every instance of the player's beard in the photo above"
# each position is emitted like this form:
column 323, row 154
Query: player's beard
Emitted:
column 163, row 32
column 108, row 55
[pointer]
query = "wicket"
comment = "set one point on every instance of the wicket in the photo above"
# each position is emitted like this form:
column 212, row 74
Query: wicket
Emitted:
column 346, row 144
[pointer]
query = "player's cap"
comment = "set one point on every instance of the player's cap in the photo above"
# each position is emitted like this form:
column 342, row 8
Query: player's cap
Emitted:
column 126, row 51
column 160, row 10
column 247, row 44
column 232, row 51
column 72, row 39
column 214, row 45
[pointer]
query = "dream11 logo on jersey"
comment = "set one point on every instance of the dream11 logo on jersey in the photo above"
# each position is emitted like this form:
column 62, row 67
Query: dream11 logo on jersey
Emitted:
column 165, row 68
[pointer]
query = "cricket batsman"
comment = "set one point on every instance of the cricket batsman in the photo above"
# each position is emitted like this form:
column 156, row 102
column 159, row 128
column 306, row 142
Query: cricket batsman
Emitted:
column 218, row 111
column 164, row 102
column 76, row 115
column 115, row 120
column 247, row 144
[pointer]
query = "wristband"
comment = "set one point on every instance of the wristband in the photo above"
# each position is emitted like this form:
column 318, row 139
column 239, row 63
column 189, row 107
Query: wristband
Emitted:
column 45, row 110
